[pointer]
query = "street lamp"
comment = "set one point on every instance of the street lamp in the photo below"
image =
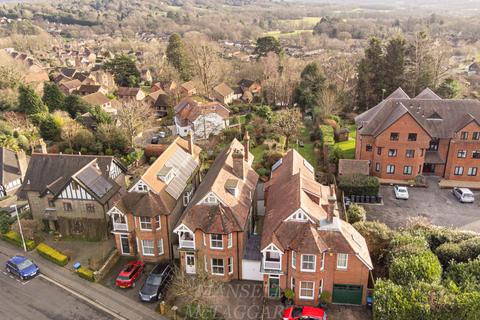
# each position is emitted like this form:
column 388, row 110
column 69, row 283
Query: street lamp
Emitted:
column 19, row 226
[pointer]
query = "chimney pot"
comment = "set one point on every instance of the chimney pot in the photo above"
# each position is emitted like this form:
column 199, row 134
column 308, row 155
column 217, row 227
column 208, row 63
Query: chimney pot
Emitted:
column 246, row 145
column 331, row 208
column 238, row 164
column 190, row 142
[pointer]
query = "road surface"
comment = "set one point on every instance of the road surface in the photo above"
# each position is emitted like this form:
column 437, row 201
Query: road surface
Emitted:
column 40, row 299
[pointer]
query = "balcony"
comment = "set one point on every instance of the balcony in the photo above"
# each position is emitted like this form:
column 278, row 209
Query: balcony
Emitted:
column 186, row 244
column 120, row 226
column 272, row 265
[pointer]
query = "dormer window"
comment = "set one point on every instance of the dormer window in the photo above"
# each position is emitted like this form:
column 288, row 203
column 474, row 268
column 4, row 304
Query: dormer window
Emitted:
column 231, row 185
column 211, row 199
column 166, row 174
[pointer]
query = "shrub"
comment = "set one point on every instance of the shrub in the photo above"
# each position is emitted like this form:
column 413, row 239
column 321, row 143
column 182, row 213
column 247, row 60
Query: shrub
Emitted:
column 409, row 269
column 448, row 252
column 263, row 172
column 51, row 254
column 466, row 275
column 359, row 185
column 437, row 236
column 86, row 274
column 327, row 135
column 356, row 213
column 404, row 244
column 378, row 237
column 15, row 239
column 4, row 222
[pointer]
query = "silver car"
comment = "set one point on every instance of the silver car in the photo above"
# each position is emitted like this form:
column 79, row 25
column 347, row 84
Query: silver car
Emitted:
column 464, row 195
column 401, row 192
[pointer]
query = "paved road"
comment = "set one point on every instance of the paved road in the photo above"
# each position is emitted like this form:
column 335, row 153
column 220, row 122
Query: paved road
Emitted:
column 41, row 300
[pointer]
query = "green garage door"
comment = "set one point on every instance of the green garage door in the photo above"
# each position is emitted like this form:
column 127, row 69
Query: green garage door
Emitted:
column 347, row 294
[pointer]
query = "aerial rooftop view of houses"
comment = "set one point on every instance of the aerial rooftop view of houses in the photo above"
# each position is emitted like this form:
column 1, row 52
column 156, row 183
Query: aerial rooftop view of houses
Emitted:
column 239, row 160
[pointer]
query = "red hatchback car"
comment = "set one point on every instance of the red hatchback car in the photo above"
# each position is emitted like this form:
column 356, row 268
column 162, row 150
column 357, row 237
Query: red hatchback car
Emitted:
column 129, row 274
column 304, row 313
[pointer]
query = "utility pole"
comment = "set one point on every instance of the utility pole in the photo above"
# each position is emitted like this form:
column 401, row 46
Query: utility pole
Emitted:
column 20, row 226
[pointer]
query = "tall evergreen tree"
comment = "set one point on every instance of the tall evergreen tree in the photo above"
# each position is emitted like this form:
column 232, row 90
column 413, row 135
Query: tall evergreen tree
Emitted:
column 449, row 89
column 267, row 44
column 53, row 97
column 75, row 105
column 29, row 102
column 370, row 87
column 178, row 58
column 125, row 71
column 309, row 90
column 395, row 64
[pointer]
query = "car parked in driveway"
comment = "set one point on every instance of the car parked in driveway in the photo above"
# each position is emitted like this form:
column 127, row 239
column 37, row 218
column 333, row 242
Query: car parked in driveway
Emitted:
column 401, row 192
column 299, row 312
column 464, row 195
column 130, row 274
column 22, row 267
column 156, row 284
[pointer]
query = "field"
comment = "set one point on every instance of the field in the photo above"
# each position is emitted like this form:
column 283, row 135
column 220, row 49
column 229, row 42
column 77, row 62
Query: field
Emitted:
column 280, row 34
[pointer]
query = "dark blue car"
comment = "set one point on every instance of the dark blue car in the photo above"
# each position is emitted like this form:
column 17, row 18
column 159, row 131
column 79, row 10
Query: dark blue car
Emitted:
column 22, row 267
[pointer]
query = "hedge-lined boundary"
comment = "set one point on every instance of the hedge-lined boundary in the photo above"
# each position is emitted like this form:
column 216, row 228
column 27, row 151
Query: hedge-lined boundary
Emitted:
column 15, row 239
column 51, row 254
column 359, row 185
column 86, row 274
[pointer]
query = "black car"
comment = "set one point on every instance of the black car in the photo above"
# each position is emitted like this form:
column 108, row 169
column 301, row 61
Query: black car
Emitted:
column 157, row 281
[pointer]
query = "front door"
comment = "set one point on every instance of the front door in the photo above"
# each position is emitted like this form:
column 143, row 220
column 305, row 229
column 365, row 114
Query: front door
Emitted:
column 125, row 244
column 273, row 286
column 190, row 263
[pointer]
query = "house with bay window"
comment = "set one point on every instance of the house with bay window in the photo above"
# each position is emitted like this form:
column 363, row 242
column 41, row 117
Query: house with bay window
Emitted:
column 216, row 226
column 305, row 246
column 144, row 218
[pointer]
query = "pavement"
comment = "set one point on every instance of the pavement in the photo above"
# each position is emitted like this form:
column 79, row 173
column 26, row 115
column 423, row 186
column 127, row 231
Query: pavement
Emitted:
column 436, row 205
column 40, row 299
column 107, row 300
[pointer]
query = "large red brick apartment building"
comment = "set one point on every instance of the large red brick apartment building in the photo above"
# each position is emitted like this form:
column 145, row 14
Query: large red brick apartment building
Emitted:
column 404, row 137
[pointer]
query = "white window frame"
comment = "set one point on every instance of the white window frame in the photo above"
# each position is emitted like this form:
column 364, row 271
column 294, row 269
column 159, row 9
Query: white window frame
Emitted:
column 320, row 289
column 292, row 284
column 340, row 257
column 407, row 170
column 152, row 248
column 186, row 197
column 312, row 297
column 216, row 266
column 458, row 171
column 160, row 246
column 230, row 265
column 314, row 262
column 205, row 262
column 204, row 239
column 390, row 166
column 145, row 222
column 158, row 222
column 229, row 240
column 216, row 240
column 294, row 260
column 471, row 171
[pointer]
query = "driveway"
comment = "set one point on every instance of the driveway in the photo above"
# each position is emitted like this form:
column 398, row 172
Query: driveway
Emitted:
column 438, row 206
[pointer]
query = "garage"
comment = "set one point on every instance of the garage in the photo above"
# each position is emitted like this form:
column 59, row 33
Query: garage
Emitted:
column 251, row 270
column 347, row 294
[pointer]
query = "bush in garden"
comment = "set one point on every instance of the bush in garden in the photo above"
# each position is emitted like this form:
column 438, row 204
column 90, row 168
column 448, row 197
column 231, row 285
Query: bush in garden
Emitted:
column 86, row 273
column 51, row 254
column 410, row 269
column 404, row 244
column 4, row 222
column 437, row 236
column 359, row 185
column 459, row 252
column 197, row 311
column 356, row 213
column 16, row 239
column 465, row 275
column 378, row 237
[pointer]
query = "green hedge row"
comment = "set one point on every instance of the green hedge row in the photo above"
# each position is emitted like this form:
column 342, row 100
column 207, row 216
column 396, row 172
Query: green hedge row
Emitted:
column 360, row 185
column 86, row 274
column 51, row 254
column 327, row 134
column 15, row 239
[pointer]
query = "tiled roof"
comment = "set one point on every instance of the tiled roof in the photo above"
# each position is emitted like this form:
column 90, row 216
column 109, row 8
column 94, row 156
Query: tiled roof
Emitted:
column 127, row 92
column 188, row 110
column 96, row 99
column 223, row 89
column 9, row 166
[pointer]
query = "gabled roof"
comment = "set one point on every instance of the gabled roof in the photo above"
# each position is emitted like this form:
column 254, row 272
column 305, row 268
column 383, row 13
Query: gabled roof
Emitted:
column 127, row 91
column 189, row 85
column 68, row 72
column 89, row 88
column 52, row 172
column 143, row 204
column 235, row 208
column 223, row 89
column 440, row 118
column 188, row 110
column 96, row 99
column 292, row 187
column 72, row 84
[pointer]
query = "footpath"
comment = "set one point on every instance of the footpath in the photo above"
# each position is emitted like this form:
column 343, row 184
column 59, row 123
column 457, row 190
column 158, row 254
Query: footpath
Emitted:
column 104, row 298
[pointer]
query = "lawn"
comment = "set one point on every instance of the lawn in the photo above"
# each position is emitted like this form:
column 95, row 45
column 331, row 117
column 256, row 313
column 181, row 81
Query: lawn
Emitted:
column 348, row 147
column 307, row 151
column 280, row 34
column 258, row 153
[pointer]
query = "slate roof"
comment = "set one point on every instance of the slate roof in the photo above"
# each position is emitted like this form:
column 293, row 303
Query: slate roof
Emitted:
column 143, row 204
column 89, row 88
column 96, row 99
column 10, row 170
column 127, row 91
column 440, row 118
column 72, row 84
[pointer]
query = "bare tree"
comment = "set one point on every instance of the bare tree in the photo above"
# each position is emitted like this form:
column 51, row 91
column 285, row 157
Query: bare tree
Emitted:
column 279, row 79
column 288, row 123
column 328, row 104
column 69, row 131
column 205, row 57
column 134, row 117
column 197, row 289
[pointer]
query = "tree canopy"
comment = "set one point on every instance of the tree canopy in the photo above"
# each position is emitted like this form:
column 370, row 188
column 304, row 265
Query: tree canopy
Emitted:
column 29, row 101
column 124, row 70
column 267, row 44
column 177, row 56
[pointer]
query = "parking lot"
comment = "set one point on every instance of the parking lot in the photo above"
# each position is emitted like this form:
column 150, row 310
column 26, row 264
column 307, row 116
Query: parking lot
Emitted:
column 438, row 206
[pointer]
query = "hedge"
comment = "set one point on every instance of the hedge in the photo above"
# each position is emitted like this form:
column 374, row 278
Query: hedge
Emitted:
column 327, row 134
column 410, row 269
column 51, row 254
column 86, row 274
column 15, row 239
column 360, row 185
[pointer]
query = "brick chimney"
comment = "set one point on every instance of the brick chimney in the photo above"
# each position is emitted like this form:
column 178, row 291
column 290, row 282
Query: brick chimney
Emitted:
column 190, row 142
column 238, row 164
column 331, row 208
column 40, row 147
column 246, row 145
column 22, row 162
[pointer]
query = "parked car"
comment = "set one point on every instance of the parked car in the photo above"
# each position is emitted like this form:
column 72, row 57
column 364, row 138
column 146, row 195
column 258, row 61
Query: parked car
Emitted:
column 130, row 274
column 22, row 267
column 464, row 195
column 157, row 281
column 401, row 192
column 299, row 312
